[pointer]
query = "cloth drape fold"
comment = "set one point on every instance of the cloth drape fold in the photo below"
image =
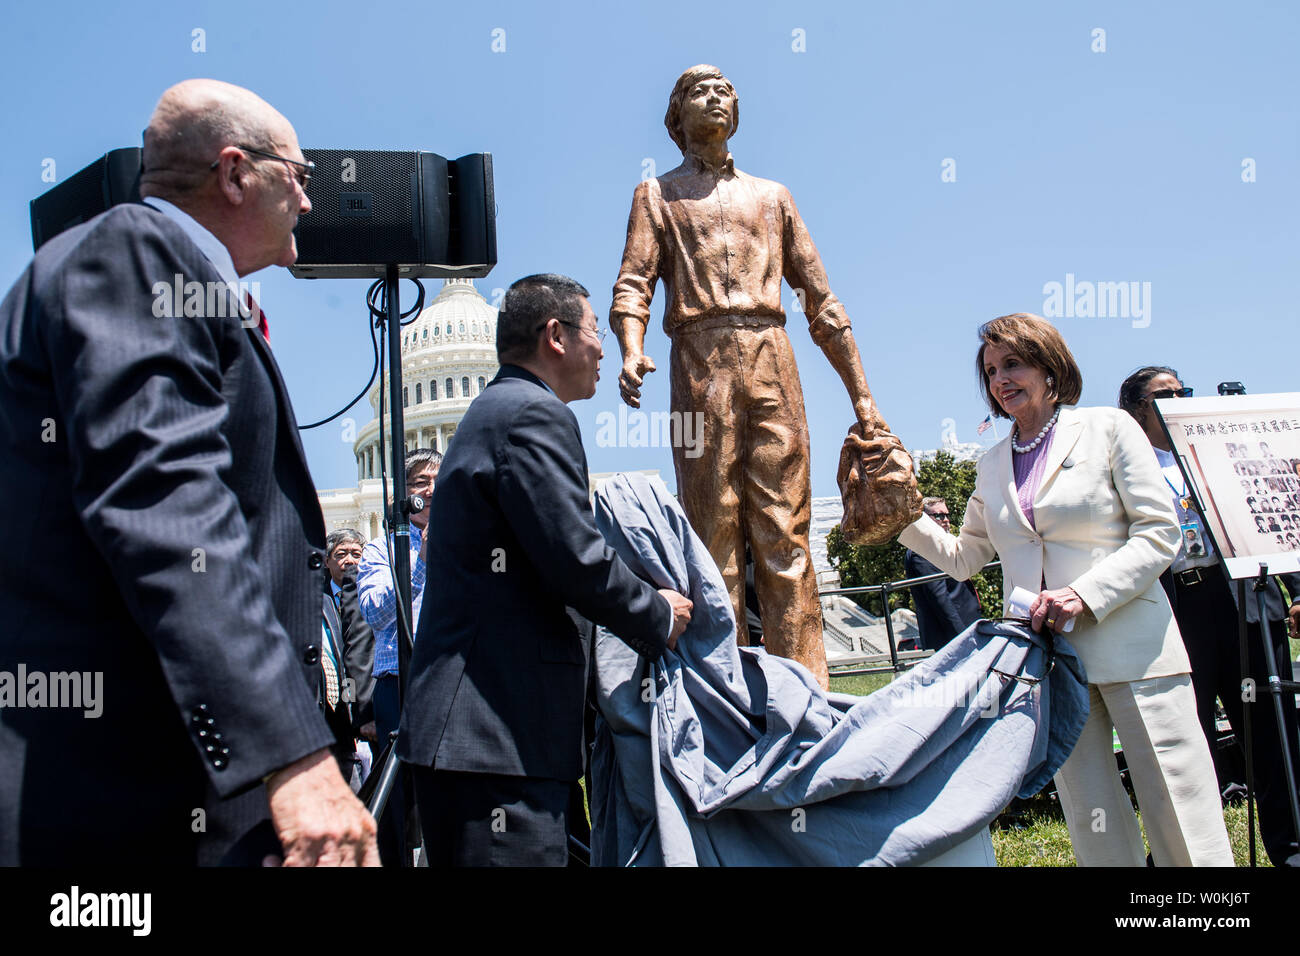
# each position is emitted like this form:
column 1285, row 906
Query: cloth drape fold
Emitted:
column 724, row 755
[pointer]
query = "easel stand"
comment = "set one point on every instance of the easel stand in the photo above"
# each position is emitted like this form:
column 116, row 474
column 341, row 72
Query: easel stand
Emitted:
column 1276, row 688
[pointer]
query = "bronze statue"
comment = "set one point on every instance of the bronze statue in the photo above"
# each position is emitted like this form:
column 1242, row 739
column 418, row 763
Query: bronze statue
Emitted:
column 721, row 241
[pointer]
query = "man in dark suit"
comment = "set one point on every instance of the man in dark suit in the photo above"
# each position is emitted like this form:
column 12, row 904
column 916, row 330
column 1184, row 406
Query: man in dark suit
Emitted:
column 946, row 607
column 342, row 555
column 332, row 693
column 492, row 721
column 347, row 682
column 169, row 533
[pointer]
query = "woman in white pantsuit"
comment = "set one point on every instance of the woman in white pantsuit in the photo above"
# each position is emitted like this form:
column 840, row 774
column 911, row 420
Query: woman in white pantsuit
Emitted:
column 1074, row 504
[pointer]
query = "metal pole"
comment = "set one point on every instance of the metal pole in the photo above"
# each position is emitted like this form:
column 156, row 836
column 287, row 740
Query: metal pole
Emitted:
column 1276, row 687
column 387, row 777
column 400, row 523
column 889, row 629
column 1246, row 745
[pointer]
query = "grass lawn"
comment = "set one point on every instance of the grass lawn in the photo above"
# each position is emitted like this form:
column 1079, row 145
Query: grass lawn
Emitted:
column 861, row 684
column 1039, row 838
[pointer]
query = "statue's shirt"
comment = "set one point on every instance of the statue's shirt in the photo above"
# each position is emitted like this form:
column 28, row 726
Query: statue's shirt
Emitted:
column 721, row 241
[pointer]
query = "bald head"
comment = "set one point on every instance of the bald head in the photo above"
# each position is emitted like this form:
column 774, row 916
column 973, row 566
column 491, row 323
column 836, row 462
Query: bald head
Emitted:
column 226, row 157
column 191, row 124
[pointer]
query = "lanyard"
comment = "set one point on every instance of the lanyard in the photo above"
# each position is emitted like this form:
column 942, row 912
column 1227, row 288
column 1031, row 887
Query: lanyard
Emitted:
column 1184, row 499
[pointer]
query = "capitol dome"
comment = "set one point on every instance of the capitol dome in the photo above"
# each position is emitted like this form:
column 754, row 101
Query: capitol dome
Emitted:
column 449, row 355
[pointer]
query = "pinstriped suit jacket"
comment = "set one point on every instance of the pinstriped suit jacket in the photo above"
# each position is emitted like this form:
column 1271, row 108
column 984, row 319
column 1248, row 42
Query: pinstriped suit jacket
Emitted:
column 164, row 532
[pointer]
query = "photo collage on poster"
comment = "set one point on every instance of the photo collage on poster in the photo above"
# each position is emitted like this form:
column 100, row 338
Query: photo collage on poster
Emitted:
column 1271, row 487
column 1250, row 466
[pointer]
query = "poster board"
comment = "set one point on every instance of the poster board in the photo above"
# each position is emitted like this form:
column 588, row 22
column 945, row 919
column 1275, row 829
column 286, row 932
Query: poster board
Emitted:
column 1241, row 457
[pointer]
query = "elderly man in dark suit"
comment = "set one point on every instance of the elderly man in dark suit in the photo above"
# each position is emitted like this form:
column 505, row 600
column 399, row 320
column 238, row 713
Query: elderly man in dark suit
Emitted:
column 169, row 536
column 493, row 717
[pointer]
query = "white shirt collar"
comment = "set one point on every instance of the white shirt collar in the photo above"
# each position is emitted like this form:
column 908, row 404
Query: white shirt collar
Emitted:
column 211, row 247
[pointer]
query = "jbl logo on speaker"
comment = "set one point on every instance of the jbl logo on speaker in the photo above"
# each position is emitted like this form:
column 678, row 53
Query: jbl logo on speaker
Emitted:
column 355, row 205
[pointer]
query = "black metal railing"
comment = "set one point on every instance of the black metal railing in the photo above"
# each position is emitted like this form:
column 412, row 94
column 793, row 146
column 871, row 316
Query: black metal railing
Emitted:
column 896, row 663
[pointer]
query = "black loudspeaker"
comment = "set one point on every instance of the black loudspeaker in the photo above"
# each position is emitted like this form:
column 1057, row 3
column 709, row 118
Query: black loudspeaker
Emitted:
column 113, row 178
column 429, row 216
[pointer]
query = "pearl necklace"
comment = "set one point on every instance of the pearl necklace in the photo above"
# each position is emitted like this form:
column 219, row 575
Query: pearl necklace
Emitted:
column 1025, row 449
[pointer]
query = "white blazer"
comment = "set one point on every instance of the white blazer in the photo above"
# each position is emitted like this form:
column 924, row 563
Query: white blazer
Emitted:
column 1106, row 526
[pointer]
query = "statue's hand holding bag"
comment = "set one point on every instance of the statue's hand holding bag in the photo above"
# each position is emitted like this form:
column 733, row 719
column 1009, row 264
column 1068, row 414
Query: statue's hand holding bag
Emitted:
column 877, row 485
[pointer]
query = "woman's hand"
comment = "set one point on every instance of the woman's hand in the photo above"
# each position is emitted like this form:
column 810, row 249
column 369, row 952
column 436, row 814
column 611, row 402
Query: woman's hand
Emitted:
column 1056, row 609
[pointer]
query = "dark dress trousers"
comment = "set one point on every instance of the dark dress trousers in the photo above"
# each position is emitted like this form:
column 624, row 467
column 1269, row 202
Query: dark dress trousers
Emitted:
column 499, row 670
column 164, row 533
column 944, row 608
column 1206, row 610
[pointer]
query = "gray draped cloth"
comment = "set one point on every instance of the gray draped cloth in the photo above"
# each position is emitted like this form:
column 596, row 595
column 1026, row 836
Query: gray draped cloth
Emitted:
column 725, row 755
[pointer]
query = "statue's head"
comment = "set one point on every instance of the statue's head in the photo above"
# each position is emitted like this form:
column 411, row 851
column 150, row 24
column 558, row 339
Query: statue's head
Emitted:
column 692, row 92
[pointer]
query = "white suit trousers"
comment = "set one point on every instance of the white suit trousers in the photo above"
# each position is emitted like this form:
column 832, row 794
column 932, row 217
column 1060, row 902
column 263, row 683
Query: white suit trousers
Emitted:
column 1172, row 773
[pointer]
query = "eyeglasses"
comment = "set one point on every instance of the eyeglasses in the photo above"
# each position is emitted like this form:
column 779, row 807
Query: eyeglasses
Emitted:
column 303, row 173
column 1170, row 393
column 940, row 515
column 598, row 332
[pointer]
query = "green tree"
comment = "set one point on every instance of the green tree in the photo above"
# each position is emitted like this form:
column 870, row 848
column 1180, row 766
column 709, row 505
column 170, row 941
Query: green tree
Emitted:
column 941, row 477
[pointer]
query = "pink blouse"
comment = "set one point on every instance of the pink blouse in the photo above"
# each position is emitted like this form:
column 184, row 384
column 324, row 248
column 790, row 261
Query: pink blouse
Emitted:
column 1029, row 469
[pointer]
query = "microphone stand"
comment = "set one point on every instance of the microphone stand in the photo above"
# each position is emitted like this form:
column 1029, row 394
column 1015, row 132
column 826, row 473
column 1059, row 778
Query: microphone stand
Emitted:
column 387, row 768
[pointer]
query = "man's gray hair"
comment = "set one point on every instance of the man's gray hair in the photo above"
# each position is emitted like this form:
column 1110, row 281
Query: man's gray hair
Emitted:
column 419, row 458
column 342, row 536
column 928, row 503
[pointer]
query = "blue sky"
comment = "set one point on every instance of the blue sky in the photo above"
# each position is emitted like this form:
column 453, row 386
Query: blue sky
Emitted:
column 1117, row 166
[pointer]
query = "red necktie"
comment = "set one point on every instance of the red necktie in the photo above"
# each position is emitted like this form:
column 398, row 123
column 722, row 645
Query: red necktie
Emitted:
column 261, row 317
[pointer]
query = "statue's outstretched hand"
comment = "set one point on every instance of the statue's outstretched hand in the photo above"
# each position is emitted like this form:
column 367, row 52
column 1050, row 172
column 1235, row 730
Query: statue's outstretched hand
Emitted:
column 635, row 368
